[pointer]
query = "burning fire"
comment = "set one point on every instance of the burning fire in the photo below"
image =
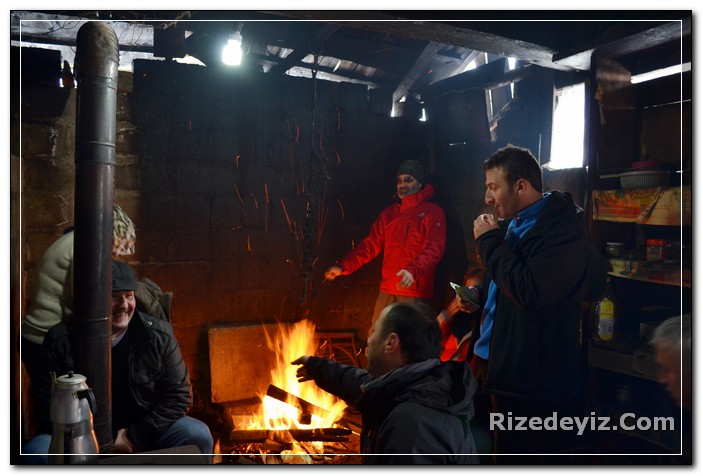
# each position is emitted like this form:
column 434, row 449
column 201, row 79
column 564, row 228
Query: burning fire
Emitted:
column 291, row 342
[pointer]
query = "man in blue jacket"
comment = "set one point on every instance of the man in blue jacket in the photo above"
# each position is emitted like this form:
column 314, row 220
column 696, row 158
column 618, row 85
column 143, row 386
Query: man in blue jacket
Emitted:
column 414, row 408
column 539, row 268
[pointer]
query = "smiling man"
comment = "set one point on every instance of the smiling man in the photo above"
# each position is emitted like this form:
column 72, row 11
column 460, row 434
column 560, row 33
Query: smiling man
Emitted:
column 411, row 234
column 151, row 388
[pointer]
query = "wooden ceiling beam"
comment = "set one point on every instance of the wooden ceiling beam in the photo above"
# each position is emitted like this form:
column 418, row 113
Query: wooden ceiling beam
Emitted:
column 440, row 33
column 458, row 69
column 35, row 27
column 366, row 53
column 640, row 37
column 304, row 47
column 467, row 61
column 348, row 75
column 489, row 76
column 419, row 67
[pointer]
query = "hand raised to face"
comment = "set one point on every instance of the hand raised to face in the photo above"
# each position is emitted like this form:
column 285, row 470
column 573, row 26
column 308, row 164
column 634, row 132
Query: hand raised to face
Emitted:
column 484, row 223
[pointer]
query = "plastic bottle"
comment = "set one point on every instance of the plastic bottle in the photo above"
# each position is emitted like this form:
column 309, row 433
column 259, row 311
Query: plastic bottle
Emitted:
column 605, row 315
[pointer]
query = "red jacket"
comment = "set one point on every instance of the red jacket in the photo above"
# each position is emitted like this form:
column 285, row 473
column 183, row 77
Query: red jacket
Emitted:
column 411, row 234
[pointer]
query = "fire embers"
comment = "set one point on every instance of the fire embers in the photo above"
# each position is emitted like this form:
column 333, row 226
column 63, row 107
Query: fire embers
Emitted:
column 336, row 445
column 290, row 343
column 296, row 423
column 271, row 451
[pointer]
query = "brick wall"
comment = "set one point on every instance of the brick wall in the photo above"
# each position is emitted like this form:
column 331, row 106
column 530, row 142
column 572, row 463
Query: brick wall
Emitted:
column 226, row 174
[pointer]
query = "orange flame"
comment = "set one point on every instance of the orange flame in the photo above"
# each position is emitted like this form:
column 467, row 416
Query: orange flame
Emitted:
column 291, row 342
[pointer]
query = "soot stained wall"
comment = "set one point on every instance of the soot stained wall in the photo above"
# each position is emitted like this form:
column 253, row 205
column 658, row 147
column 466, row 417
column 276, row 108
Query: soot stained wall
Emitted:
column 227, row 172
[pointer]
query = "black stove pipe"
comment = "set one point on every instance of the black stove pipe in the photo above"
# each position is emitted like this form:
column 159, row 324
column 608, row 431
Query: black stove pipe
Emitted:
column 96, row 65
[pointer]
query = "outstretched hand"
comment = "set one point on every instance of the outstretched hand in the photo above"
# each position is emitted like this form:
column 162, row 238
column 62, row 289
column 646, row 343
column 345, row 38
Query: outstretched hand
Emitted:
column 302, row 373
column 332, row 273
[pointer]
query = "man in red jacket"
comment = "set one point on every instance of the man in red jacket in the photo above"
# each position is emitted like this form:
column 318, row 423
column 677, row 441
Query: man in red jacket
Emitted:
column 411, row 234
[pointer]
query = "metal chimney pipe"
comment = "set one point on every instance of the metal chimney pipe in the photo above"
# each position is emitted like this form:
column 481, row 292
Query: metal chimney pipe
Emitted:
column 96, row 65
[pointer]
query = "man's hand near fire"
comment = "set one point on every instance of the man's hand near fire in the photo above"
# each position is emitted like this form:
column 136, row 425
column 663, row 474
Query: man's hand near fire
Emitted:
column 332, row 273
column 302, row 373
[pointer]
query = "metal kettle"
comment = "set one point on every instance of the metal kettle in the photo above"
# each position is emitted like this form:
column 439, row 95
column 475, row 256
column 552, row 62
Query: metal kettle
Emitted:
column 73, row 439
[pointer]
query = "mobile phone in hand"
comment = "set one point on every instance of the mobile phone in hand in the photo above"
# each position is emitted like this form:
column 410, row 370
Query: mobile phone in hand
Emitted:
column 465, row 293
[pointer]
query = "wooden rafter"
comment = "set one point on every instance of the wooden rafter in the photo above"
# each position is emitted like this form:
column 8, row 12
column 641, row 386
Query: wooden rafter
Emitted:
column 303, row 48
column 419, row 67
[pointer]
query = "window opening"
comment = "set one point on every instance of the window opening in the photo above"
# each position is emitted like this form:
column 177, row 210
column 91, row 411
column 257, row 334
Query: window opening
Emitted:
column 568, row 127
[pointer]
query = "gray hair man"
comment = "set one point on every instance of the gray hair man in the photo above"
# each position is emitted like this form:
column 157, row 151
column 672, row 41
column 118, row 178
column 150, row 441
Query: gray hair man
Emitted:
column 672, row 344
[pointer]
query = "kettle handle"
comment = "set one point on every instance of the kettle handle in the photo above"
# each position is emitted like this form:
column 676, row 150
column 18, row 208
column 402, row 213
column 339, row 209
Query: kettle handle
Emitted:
column 88, row 395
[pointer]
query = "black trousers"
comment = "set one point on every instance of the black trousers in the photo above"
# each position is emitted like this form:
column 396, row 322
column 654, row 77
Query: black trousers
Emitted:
column 30, row 357
column 549, row 440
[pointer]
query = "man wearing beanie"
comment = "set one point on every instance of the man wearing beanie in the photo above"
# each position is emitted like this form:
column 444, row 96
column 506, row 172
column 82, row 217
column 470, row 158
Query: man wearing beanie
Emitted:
column 151, row 389
column 52, row 293
column 411, row 235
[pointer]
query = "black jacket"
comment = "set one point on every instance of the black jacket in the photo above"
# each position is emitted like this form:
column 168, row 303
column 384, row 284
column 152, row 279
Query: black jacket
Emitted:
column 418, row 413
column 535, row 350
column 158, row 376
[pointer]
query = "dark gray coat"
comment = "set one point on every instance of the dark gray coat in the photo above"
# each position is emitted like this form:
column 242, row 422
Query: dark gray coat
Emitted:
column 415, row 414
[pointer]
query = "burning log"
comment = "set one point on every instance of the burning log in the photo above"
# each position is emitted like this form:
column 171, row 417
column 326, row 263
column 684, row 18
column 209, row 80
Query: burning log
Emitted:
column 306, row 408
column 314, row 434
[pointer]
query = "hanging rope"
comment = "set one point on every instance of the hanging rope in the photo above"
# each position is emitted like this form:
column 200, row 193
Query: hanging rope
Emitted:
column 309, row 226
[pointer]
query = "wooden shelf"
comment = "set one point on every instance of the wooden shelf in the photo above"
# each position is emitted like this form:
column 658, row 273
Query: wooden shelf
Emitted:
column 659, row 272
column 637, row 363
column 646, row 206
column 649, row 280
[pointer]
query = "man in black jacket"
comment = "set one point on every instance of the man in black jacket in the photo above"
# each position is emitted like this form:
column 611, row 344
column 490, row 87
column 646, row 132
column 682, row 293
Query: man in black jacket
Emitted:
column 151, row 389
column 538, row 262
column 414, row 408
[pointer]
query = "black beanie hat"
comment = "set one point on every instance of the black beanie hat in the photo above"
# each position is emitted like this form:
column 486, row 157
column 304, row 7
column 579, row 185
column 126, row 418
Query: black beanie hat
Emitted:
column 413, row 168
column 123, row 277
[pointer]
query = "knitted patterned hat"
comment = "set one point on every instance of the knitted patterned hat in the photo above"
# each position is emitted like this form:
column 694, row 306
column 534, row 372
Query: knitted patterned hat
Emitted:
column 123, row 233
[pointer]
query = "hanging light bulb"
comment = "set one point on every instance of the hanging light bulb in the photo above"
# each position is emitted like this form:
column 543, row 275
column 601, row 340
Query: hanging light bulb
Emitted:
column 232, row 52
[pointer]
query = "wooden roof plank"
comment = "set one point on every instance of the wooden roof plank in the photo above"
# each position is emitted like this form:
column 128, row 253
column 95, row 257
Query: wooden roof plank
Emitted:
column 303, row 48
column 641, row 36
column 419, row 67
